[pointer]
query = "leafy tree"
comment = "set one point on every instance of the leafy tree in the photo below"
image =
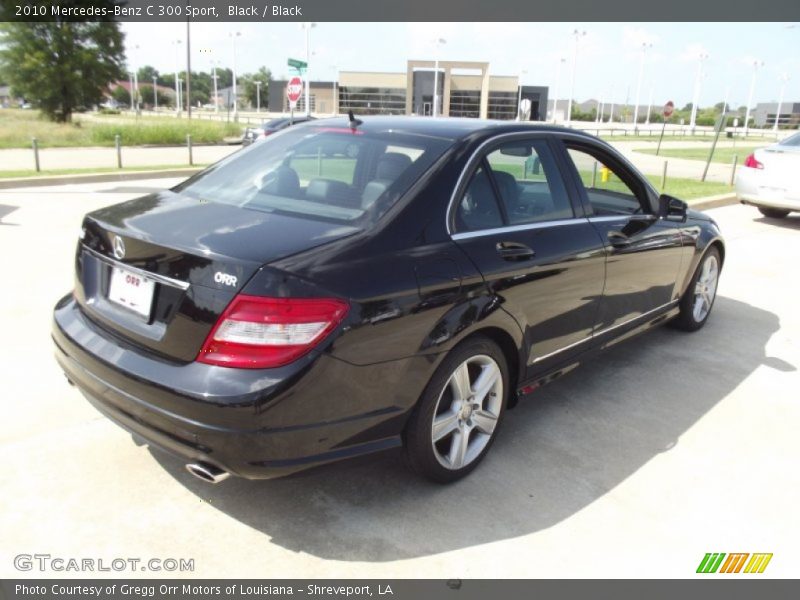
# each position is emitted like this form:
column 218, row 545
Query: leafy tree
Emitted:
column 249, row 87
column 121, row 96
column 146, row 94
column 146, row 74
column 62, row 65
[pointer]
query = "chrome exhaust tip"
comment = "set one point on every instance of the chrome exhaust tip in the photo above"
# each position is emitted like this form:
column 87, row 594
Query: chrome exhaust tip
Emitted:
column 208, row 473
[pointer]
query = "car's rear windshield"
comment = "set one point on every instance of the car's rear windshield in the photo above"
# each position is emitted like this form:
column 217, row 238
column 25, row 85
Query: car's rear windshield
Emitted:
column 320, row 172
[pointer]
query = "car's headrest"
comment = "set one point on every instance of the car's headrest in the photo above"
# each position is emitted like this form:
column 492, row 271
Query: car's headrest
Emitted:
column 391, row 164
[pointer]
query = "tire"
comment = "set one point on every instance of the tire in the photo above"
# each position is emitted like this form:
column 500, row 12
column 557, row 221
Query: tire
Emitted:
column 464, row 432
column 773, row 213
column 701, row 289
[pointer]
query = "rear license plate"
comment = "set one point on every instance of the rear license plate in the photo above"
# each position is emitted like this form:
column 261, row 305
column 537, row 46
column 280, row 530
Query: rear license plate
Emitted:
column 131, row 290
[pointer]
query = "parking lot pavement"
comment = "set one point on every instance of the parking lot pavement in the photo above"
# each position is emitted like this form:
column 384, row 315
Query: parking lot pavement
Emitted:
column 635, row 465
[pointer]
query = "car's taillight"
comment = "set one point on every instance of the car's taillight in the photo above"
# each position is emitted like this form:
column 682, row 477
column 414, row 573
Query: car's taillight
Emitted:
column 258, row 333
column 752, row 163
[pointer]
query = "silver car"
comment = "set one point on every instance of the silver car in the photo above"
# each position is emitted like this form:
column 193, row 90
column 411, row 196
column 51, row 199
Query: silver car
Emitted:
column 769, row 179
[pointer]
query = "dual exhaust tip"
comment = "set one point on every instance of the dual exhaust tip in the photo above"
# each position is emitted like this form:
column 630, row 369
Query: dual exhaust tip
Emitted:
column 206, row 472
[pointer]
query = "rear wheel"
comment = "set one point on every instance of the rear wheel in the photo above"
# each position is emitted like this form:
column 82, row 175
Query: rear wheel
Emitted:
column 455, row 421
column 773, row 213
column 699, row 297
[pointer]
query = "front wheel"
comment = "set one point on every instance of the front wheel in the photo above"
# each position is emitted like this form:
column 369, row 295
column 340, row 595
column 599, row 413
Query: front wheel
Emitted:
column 699, row 297
column 773, row 213
column 456, row 419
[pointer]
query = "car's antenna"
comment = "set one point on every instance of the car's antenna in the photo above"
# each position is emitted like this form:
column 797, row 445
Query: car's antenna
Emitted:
column 353, row 121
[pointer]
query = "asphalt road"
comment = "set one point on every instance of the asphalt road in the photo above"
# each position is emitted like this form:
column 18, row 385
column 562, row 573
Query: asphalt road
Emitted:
column 668, row 446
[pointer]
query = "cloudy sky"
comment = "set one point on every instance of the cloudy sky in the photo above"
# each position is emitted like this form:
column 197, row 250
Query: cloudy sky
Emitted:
column 607, row 61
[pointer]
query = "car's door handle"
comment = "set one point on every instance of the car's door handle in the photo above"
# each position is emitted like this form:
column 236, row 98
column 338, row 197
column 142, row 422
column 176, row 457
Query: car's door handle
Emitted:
column 619, row 239
column 514, row 251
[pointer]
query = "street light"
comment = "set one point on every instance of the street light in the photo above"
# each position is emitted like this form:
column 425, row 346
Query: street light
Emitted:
column 177, row 43
column 645, row 46
column 438, row 43
column 578, row 35
column 258, row 96
column 519, row 94
column 649, row 104
column 783, row 79
column 561, row 62
column 756, row 65
column 701, row 58
column 214, row 76
column 233, row 35
column 155, row 94
column 308, row 27
column 334, row 98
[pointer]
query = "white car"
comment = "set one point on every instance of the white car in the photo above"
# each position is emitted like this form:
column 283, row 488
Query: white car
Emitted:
column 769, row 179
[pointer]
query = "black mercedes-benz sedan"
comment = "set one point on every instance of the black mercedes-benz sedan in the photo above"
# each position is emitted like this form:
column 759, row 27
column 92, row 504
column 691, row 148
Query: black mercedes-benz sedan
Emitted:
column 289, row 307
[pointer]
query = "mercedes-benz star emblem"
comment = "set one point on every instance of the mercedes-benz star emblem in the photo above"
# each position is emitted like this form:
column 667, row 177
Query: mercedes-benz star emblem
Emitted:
column 119, row 248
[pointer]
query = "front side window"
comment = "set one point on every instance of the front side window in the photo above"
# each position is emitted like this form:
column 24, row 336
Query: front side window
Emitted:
column 516, row 183
column 606, row 187
column 320, row 172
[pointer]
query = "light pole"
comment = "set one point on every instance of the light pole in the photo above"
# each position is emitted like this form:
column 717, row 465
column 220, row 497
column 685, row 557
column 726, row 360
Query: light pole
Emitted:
column 702, row 57
column 578, row 35
column 155, row 93
column 645, row 46
column 308, row 27
column 649, row 105
column 756, row 65
column 783, row 79
column 177, row 43
column 258, row 96
column 233, row 35
column 438, row 43
column 214, row 76
column 334, row 99
column 130, row 84
column 519, row 94
column 561, row 62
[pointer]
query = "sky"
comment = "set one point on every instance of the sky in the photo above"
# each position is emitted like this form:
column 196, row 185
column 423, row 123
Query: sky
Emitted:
column 607, row 66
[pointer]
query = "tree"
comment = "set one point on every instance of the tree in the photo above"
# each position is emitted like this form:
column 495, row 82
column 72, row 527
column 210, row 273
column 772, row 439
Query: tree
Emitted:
column 248, row 82
column 62, row 66
column 121, row 96
column 146, row 74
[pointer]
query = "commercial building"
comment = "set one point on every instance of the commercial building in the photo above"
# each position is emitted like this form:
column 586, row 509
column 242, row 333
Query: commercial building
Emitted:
column 465, row 89
column 765, row 112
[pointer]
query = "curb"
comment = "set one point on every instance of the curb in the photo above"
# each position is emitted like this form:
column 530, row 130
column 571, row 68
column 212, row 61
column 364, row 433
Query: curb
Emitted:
column 98, row 178
column 714, row 201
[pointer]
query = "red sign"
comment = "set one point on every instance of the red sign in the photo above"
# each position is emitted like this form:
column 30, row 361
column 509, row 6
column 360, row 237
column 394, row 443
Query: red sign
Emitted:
column 294, row 90
column 669, row 108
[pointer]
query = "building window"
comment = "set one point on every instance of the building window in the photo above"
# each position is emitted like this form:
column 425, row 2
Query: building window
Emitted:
column 464, row 103
column 372, row 100
column 502, row 105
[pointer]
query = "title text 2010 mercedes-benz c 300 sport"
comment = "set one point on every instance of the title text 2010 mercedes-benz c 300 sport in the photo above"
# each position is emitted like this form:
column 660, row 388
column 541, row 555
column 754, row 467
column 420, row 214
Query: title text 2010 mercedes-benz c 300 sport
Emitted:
column 346, row 287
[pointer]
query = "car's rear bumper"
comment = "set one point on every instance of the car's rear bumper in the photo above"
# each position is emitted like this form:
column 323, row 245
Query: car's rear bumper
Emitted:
column 251, row 423
column 753, row 188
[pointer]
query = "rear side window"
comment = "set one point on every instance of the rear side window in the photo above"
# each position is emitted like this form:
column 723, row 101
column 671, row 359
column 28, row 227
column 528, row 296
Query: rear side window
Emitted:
column 517, row 183
column 529, row 183
column 328, row 173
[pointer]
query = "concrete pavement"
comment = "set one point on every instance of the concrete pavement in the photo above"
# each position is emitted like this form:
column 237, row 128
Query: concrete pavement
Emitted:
column 635, row 465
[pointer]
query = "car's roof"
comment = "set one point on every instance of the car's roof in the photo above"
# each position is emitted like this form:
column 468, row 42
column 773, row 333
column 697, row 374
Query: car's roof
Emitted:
column 445, row 127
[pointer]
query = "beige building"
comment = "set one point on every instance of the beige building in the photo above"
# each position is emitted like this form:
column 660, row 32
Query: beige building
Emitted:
column 465, row 89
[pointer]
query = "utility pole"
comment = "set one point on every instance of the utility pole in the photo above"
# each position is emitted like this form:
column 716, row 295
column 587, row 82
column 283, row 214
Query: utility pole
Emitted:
column 155, row 93
column 645, row 46
column 578, row 35
column 756, row 65
column 188, row 70
column 258, row 96
column 783, row 79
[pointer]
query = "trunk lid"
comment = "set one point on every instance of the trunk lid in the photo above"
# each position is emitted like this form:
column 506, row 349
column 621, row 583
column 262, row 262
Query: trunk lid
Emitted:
column 158, row 271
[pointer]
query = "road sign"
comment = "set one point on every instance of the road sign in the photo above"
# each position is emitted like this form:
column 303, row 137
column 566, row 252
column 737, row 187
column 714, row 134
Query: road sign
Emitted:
column 294, row 90
column 297, row 64
column 669, row 108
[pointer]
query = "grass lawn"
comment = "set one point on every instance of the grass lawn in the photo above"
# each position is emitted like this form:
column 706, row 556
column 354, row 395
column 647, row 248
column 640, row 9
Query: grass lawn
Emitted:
column 721, row 155
column 17, row 127
column 91, row 171
column 685, row 138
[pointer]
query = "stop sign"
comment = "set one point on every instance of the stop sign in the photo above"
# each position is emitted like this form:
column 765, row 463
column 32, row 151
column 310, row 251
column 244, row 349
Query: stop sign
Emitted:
column 669, row 108
column 294, row 89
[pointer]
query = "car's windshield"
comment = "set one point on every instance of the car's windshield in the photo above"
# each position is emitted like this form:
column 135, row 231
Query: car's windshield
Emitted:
column 329, row 173
column 792, row 140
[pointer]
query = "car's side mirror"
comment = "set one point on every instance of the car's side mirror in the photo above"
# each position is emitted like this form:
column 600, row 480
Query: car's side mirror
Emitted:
column 672, row 209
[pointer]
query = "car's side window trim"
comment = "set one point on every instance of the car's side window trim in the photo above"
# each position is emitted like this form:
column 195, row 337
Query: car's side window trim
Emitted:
column 477, row 159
